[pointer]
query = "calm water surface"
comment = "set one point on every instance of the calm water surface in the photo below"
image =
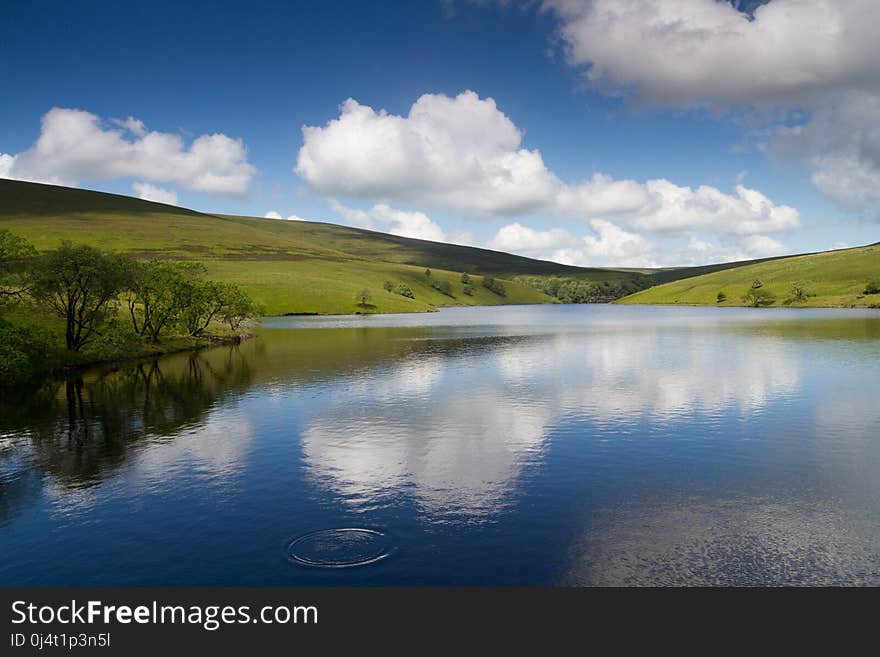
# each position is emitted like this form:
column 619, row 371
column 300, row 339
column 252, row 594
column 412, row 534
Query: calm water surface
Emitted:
column 562, row 445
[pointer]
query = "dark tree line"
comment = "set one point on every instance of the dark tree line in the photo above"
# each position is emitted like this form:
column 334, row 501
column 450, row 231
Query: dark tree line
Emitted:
column 573, row 290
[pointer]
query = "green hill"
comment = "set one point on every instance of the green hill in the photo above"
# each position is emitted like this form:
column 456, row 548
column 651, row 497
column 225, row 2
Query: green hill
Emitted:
column 831, row 278
column 287, row 266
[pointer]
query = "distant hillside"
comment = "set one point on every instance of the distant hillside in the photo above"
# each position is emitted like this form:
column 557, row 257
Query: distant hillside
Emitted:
column 288, row 266
column 832, row 278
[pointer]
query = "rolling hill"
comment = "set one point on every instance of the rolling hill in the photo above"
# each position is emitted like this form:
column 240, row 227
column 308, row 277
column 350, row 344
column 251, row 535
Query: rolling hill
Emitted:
column 287, row 266
column 832, row 278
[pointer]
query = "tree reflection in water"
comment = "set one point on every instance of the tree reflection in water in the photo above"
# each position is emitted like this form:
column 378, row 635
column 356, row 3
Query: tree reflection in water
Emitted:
column 80, row 430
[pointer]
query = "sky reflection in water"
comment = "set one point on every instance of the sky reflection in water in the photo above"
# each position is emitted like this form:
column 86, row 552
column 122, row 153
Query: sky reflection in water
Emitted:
column 522, row 445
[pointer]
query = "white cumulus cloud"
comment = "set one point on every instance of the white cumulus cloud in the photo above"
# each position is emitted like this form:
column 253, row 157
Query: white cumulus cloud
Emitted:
column 272, row 214
column 150, row 192
column 75, row 146
column 392, row 220
column 841, row 143
column 463, row 154
column 707, row 52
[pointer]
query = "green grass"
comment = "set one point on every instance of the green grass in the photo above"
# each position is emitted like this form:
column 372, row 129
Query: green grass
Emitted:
column 833, row 279
column 288, row 266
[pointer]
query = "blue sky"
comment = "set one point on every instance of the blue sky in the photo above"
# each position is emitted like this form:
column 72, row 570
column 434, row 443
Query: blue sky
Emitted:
column 552, row 155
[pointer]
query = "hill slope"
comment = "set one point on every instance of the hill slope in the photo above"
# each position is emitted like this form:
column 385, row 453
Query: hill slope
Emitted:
column 288, row 266
column 832, row 278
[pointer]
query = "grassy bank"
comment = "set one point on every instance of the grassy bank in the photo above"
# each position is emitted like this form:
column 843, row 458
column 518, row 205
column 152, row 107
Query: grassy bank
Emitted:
column 831, row 279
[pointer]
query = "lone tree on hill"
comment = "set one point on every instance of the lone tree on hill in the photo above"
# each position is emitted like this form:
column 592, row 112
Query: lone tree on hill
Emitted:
column 362, row 297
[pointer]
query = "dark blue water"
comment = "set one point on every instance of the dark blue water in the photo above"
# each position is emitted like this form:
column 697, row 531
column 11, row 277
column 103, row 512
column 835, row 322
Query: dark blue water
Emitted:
column 562, row 445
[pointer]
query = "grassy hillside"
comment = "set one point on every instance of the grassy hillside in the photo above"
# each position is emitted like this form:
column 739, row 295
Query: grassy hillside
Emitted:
column 288, row 266
column 833, row 278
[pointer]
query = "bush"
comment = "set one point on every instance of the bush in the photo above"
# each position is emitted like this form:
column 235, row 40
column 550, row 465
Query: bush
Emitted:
column 873, row 287
column 117, row 339
column 494, row 286
column 25, row 353
column 468, row 289
column 465, row 279
column 402, row 289
column 757, row 298
column 799, row 291
column 444, row 287
column 721, row 297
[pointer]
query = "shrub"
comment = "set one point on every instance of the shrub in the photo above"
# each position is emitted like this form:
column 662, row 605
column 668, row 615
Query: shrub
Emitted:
column 402, row 289
column 873, row 287
column 25, row 353
column 465, row 279
column 757, row 298
column 444, row 287
column 799, row 291
column 468, row 289
column 494, row 286
column 721, row 297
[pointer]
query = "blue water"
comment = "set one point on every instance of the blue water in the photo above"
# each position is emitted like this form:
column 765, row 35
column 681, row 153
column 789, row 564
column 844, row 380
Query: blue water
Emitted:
column 546, row 445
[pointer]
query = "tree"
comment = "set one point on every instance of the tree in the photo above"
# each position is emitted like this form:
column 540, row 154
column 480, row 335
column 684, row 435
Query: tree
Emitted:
column 362, row 297
column 201, row 302
column 15, row 251
column 757, row 297
column 427, row 273
column 157, row 293
column 239, row 308
column 465, row 279
column 78, row 283
column 799, row 291
column 468, row 289
column 873, row 287
column 721, row 298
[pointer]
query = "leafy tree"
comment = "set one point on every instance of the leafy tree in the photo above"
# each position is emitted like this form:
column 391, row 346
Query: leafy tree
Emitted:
column 362, row 297
column 465, row 279
column 799, row 291
column 239, row 308
column 78, row 283
column 873, row 287
column 15, row 251
column 468, row 289
column 201, row 302
column 721, row 298
column 756, row 298
column 157, row 293
column 427, row 273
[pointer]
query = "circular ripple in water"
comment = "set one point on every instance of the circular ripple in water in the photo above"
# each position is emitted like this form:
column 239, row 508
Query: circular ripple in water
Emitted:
column 340, row 548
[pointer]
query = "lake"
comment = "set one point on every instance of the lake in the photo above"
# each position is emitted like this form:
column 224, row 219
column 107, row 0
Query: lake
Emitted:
column 521, row 445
